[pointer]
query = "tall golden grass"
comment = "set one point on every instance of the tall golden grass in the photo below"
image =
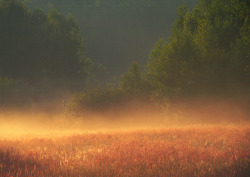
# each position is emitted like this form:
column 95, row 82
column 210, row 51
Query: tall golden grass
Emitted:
column 222, row 151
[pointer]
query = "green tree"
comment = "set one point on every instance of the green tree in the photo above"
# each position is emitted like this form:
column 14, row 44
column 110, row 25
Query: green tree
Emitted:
column 132, row 81
column 207, row 51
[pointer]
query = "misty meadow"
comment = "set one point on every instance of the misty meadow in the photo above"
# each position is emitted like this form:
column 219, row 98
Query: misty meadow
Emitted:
column 124, row 88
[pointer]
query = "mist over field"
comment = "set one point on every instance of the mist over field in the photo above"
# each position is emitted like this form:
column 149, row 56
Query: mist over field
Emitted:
column 124, row 88
column 138, row 115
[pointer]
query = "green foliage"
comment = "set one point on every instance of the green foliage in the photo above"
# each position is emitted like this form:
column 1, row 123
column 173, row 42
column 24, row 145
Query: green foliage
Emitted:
column 96, row 100
column 132, row 82
column 208, row 51
column 132, row 87
column 173, row 68
column 207, row 54
column 36, row 46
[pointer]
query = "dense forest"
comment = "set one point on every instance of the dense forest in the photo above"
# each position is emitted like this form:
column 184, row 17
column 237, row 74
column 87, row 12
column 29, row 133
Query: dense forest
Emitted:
column 43, row 53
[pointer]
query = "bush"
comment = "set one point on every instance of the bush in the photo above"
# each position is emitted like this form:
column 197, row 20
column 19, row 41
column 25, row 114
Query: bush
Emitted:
column 95, row 100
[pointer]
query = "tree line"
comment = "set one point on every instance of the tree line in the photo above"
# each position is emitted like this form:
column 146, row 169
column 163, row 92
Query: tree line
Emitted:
column 207, row 54
column 40, row 54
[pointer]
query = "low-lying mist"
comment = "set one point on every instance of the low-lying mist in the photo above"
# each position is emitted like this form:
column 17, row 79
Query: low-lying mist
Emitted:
column 202, row 111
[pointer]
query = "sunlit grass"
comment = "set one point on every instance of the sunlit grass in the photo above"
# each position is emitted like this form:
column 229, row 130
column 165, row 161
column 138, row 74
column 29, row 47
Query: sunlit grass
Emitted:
column 190, row 151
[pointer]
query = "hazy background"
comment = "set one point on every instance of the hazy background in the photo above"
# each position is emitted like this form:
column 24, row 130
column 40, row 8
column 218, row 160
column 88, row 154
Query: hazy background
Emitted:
column 118, row 32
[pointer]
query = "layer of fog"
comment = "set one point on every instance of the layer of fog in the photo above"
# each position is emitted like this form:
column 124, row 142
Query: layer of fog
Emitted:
column 33, row 122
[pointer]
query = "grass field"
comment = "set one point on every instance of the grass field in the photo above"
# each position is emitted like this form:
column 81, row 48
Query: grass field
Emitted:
column 222, row 151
